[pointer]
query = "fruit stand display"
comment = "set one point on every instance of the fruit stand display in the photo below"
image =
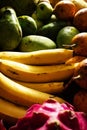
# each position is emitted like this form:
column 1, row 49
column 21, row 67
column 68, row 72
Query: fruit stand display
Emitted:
column 43, row 65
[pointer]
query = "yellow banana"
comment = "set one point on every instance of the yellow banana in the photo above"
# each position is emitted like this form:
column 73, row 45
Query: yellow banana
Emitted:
column 31, row 73
column 49, row 87
column 21, row 95
column 11, row 110
column 41, row 57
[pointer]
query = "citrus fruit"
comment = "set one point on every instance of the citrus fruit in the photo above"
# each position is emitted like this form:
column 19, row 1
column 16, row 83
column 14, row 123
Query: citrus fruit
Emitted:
column 65, row 36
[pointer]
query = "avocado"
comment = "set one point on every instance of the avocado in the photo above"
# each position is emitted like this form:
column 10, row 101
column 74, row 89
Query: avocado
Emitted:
column 35, row 42
column 51, row 29
column 10, row 29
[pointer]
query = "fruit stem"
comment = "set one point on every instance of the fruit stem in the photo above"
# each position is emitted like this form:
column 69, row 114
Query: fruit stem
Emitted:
column 77, row 77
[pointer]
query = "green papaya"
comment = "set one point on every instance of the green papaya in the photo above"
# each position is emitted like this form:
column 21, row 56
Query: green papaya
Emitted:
column 35, row 42
column 10, row 29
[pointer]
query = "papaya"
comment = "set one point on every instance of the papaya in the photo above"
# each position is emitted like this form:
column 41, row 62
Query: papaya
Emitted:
column 35, row 42
column 10, row 29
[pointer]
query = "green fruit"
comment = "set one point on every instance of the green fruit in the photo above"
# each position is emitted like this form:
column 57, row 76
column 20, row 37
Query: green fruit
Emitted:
column 44, row 10
column 10, row 29
column 51, row 29
column 38, row 21
column 35, row 42
column 28, row 25
column 65, row 36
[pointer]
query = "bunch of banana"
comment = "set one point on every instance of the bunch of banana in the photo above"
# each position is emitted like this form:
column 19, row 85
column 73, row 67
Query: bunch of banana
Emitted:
column 40, row 57
column 11, row 110
column 27, row 78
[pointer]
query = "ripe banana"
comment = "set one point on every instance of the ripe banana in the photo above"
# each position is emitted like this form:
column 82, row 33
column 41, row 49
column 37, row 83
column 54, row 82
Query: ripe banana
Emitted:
column 21, row 95
column 11, row 110
column 31, row 73
column 50, row 87
column 41, row 57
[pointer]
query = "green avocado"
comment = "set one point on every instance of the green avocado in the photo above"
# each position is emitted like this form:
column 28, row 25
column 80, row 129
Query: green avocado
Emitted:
column 35, row 42
column 10, row 29
column 51, row 29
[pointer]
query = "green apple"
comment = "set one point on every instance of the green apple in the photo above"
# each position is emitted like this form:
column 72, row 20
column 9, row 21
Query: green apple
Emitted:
column 44, row 10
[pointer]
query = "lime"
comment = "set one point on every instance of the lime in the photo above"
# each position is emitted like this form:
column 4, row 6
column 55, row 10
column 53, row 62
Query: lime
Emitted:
column 65, row 36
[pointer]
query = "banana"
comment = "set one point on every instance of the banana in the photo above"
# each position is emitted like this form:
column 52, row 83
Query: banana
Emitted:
column 32, row 73
column 41, row 57
column 49, row 87
column 22, row 95
column 11, row 110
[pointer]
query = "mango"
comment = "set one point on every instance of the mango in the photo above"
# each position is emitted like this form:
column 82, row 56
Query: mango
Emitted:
column 36, row 42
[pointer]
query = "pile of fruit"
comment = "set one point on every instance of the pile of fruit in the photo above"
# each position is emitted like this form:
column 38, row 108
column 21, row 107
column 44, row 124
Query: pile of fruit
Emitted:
column 43, row 61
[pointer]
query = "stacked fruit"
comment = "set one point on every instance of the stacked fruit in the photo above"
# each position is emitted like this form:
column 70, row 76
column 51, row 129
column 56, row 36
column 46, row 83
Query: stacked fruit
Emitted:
column 42, row 61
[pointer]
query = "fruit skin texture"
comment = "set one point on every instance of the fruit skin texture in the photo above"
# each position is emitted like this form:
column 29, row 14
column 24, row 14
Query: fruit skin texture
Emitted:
column 22, row 95
column 36, row 74
column 79, row 20
column 80, row 4
column 80, row 74
column 35, row 42
column 52, row 116
column 7, row 114
column 51, row 29
column 80, row 44
column 28, row 25
column 65, row 35
column 44, row 10
column 64, row 10
column 41, row 57
column 10, row 29
column 80, row 100
column 75, row 59
column 2, row 125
